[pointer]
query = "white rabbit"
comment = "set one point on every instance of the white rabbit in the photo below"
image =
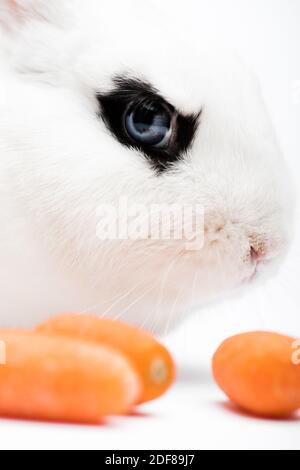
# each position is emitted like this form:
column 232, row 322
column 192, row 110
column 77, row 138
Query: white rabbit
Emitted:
column 100, row 100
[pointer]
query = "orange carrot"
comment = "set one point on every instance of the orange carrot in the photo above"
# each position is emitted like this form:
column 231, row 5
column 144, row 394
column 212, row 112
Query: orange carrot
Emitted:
column 150, row 359
column 55, row 378
column 257, row 372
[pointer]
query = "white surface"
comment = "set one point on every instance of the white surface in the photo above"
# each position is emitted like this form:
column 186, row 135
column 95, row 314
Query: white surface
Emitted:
column 193, row 414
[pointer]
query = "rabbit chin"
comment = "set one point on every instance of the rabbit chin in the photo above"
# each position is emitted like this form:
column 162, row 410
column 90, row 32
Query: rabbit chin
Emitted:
column 158, row 288
column 154, row 285
column 147, row 283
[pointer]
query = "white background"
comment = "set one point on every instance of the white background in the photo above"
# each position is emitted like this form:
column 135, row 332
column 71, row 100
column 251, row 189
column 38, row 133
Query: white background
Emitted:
column 195, row 413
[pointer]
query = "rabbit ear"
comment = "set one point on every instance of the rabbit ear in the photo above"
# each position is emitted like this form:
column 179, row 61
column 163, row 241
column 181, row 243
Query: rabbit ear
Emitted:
column 13, row 13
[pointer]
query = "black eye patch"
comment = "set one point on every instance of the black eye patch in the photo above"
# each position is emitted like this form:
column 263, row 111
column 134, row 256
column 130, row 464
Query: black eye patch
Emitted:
column 140, row 118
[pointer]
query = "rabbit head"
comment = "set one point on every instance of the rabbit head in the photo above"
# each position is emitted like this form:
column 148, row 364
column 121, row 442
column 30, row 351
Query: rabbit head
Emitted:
column 104, row 106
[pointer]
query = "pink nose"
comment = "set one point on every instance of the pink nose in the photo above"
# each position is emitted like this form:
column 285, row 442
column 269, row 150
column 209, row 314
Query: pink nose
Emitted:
column 257, row 254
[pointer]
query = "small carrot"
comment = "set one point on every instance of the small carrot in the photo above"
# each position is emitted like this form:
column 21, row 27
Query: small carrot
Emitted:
column 257, row 372
column 151, row 360
column 55, row 378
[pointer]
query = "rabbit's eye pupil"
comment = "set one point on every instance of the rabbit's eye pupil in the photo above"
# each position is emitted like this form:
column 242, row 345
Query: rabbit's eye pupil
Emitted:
column 149, row 124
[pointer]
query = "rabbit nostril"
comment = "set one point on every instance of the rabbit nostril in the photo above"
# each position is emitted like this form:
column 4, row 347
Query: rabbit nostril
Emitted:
column 257, row 254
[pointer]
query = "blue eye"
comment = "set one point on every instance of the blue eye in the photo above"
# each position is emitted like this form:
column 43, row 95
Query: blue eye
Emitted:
column 149, row 124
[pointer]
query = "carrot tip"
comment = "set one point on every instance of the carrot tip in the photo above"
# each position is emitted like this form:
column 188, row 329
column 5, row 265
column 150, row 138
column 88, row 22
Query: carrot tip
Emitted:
column 158, row 371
